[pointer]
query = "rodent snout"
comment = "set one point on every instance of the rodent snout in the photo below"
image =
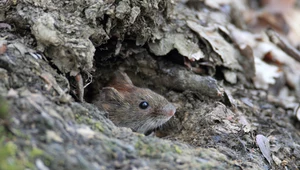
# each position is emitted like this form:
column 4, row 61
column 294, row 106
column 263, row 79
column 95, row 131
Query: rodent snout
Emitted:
column 169, row 109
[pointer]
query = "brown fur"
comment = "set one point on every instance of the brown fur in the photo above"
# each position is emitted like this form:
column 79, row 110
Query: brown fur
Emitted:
column 121, row 99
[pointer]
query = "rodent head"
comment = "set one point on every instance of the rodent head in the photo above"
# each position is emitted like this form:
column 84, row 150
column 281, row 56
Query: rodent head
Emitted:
column 137, row 108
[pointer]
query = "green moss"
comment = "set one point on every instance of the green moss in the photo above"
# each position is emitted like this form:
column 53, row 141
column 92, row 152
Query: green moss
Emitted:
column 8, row 149
column 149, row 150
column 4, row 108
column 35, row 152
column 81, row 119
column 77, row 116
column 17, row 132
column 95, row 125
column 2, row 130
column 177, row 149
column 12, row 158
column 99, row 126
column 8, row 156
column 153, row 149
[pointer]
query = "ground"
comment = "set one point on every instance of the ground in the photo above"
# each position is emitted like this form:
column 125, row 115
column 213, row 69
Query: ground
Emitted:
column 234, row 82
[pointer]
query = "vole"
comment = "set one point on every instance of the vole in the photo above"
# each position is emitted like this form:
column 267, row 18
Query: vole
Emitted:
column 138, row 108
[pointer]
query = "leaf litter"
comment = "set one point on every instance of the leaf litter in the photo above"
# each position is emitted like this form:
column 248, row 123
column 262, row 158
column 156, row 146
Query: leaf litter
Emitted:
column 229, row 79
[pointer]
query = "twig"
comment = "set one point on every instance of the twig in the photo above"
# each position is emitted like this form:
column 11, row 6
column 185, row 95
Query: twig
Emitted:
column 80, row 88
column 283, row 45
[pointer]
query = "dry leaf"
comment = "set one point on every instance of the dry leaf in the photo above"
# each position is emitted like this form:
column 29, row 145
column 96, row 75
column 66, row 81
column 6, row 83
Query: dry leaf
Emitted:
column 293, row 20
column 291, row 66
column 216, row 4
column 264, row 146
column 3, row 46
column 265, row 74
column 246, row 125
column 225, row 50
column 184, row 46
column 276, row 160
column 279, row 6
column 297, row 112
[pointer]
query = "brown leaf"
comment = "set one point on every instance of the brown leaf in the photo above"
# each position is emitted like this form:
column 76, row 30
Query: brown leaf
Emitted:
column 3, row 48
column 278, row 6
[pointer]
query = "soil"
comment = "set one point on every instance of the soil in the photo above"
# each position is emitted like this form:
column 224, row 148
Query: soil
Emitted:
column 51, row 52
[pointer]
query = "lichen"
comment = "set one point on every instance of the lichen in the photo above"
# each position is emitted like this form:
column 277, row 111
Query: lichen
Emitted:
column 9, row 160
column 95, row 125
column 177, row 149
column 4, row 108
column 146, row 148
column 35, row 152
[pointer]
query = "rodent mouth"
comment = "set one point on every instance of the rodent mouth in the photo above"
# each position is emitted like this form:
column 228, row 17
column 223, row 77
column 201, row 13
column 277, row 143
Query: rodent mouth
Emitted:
column 164, row 119
column 153, row 123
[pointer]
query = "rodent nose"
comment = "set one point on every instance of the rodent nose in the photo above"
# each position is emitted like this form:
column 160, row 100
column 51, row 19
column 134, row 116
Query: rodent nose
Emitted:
column 169, row 109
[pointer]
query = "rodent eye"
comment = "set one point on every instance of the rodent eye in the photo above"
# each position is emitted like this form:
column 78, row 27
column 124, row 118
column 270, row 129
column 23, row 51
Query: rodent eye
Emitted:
column 144, row 105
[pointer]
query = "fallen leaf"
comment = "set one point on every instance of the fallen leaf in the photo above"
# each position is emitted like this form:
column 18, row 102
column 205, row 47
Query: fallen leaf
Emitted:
column 184, row 46
column 230, row 76
column 246, row 125
column 12, row 93
column 3, row 47
column 216, row 4
column 225, row 50
column 264, row 146
column 290, row 65
column 292, row 18
column 276, row 160
column 279, row 6
column 297, row 112
column 265, row 74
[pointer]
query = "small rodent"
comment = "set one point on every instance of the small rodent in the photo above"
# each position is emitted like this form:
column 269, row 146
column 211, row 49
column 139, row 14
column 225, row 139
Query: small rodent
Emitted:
column 140, row 109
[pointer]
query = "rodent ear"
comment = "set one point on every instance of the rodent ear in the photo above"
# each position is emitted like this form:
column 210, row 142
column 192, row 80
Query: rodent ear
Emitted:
column 121, row 78
column 110, row 94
